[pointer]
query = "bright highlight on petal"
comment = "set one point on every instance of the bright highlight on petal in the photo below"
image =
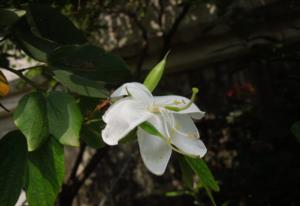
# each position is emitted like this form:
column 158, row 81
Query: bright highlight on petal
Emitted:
column 121, row 118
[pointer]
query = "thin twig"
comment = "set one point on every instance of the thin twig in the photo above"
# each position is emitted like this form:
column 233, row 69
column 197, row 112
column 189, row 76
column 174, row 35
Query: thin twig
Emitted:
column 3, row 107
column 77, row 162
column 22, row 76
column 169, row 35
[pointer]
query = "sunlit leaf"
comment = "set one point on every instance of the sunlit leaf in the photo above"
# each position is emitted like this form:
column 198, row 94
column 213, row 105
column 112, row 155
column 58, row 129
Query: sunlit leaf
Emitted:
column 31, row 118
column 64, row 118
column 45, row 174
column 13, row 157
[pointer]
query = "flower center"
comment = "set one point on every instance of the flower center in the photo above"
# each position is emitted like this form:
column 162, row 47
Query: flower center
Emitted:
column 154, row 108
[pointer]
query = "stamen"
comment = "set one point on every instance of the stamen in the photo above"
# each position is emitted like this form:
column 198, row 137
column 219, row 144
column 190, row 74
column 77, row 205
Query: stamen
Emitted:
column 193, row 97
column 154, row 108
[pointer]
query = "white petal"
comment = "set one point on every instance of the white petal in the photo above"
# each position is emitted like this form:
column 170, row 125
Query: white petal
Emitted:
column 137, row 90
column 179, row 101
column 186, row 136
column 121, row 118
column 155, row 152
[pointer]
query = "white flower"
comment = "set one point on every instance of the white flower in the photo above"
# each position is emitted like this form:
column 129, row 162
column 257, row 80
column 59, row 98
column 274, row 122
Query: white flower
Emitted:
column 170, row 115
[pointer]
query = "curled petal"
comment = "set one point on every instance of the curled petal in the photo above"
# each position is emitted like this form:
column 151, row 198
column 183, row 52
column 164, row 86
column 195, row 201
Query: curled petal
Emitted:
column 155, row 152
column 137, row 90
column 121, row 118
column 179, row 101
column 186, row 137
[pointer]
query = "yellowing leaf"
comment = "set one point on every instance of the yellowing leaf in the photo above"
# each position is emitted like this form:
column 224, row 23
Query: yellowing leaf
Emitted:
column 4, row 87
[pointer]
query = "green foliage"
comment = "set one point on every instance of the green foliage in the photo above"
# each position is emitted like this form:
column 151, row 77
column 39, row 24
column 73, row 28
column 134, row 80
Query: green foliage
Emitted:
column 201, row 169
column 45, row 174
column 42, row 29
column 186, row 172
column 49, row 23
column 64, row 118
column 80, row 85
column 295, row 129
column 149, row 128
column 31, row 118
column 34, row 46
column 206, row 179
column 91, row 135
column 13, row 154
column 7, row 19
column 154, row 76
column 90, row 62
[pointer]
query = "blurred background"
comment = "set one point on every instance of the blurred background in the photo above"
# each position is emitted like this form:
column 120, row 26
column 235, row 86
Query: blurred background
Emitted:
column 243, row 55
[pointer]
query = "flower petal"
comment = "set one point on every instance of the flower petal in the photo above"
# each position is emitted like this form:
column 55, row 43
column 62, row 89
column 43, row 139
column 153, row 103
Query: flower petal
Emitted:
column 179, row 101
column 121, row 118
column 137, row 90
column 155, row 151
column 185, row 136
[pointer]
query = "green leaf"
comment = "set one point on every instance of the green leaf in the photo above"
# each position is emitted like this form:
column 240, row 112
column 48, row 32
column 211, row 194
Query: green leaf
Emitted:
column 81, row 85
column 205, row 176
column 153, row 78
column 295, row 129
column 31, row 118
column 91, row 135
column 186, row 172
column 7, row 19
column 201, row 169
column 36, row 47
column 45, row 174
column 90, row 62
column 64, row 118
column 13, row 155
column 49, row 23
column 149, row 128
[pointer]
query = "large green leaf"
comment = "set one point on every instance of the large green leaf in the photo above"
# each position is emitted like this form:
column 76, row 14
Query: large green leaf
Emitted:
column 89, row 61
column 49, row 23
column 81, row 85
column 13, row 155
column 45, row 174
column 31, row 118
column 35, row 46
column 64, row 118
column 201, row 169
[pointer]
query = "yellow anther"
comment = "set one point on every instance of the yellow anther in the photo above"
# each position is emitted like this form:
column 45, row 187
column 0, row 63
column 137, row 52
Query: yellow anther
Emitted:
column 154, row 108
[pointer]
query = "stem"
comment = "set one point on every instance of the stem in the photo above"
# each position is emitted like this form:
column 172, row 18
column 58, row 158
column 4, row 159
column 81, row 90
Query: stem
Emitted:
column 22, row 76
column 77, row 162
column 72, row 187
